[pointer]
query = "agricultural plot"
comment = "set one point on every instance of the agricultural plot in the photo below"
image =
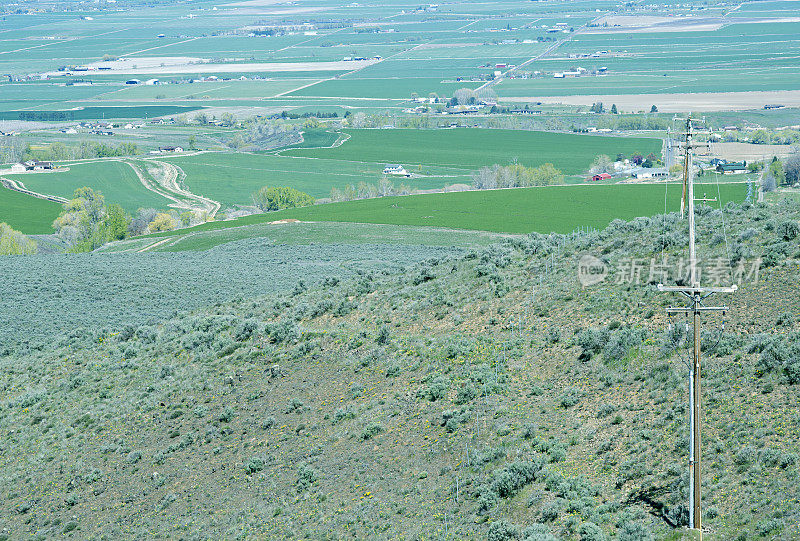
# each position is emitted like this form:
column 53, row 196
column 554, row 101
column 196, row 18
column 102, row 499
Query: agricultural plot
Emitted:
column 511, row 211
column 471, row 149
column 28, row 214
column 232, row 178
column 116, row 180
column 757, row 52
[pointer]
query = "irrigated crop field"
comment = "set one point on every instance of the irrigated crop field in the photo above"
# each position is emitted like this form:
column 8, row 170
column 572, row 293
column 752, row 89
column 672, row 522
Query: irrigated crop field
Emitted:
column 27, row 214
column 560, row 209
column 474, row 148
column 115, row 179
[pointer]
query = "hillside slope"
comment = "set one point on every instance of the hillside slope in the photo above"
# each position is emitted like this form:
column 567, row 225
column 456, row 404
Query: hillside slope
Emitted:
column 483, row 396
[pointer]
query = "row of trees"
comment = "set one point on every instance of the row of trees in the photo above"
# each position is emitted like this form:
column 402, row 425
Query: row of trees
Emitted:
column 785, row 136
column 516, row 176
column 12, row 151
column 598, row 107
column 13, row 242
column 365, row 190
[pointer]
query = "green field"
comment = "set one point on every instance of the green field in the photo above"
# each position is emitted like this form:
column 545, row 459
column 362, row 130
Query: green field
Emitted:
column 231, row 178
column 470, row 148
column 559, row 209
column 116, row 180
column 28, row 214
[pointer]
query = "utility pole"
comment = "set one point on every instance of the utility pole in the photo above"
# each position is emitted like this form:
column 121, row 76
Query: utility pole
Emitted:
column 696, row 295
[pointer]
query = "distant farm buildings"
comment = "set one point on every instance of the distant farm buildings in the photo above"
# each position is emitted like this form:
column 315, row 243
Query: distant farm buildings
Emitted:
column 170, row 149
column 395, row 169
column 731, row 167
column 31, row 165
column 599, row 177
column 647, row 172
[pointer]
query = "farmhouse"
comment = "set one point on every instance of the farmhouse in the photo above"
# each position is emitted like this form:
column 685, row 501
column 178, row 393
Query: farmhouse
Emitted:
column 395, row 169
column 35, row 165
column 598, row 178
column 646, row 172
column 732, row 167
column 170, row 149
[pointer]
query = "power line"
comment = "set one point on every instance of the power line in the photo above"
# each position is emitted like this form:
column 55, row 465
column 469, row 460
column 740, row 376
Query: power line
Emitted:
column 696, row 295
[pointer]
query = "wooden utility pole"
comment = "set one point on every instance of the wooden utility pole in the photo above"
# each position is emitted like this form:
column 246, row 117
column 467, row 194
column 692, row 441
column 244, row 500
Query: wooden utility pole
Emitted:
column 696, row 295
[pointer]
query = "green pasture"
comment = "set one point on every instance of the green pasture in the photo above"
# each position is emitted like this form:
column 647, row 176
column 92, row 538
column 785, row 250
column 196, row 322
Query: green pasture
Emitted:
column 231, row 178
column 115, row 179
column 30, row 215
column 472, row 148
column 558, row 209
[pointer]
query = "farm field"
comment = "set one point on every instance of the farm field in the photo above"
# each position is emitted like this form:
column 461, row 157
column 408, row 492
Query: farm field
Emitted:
column 231, row 178
column 475, row 148
column 512, row 211
column 115, row 179
column 28, row 214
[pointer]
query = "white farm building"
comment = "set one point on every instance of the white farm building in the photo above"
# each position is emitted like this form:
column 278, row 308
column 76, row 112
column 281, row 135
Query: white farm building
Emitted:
column 395, row 169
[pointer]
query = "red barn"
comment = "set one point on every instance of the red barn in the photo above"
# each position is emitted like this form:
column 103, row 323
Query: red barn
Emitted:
column 601, row 176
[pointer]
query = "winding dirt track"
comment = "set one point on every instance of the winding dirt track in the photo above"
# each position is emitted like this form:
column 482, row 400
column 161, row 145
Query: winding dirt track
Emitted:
column 166, row 180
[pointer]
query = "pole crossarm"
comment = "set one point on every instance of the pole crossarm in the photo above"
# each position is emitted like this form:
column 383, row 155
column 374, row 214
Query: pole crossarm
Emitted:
column 690, row 309
column 697, row 290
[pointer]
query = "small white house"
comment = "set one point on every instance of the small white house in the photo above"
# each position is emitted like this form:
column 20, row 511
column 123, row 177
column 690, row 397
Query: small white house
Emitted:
column 170, row 149
column 395, row 169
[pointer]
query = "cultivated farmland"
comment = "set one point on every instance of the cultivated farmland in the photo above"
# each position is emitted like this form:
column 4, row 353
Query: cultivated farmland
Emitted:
column 115, row 179
column 27, row 214
column 475, row 148
column 561, row 209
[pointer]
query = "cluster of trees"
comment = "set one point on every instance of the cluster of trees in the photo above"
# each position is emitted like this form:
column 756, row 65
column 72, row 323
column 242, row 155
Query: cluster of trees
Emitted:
column 13, row 242
column 516, row 176
column 278, row 198
column 87, row 223
column 150, row 220
column 265, row 134
column 468, row 96
column 763, row 136
column 317, row 114
column 782, row 173
column 364, row 190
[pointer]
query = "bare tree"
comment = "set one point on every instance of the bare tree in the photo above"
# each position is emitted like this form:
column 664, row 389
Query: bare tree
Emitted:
column 792, row 168
column 769, row 184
